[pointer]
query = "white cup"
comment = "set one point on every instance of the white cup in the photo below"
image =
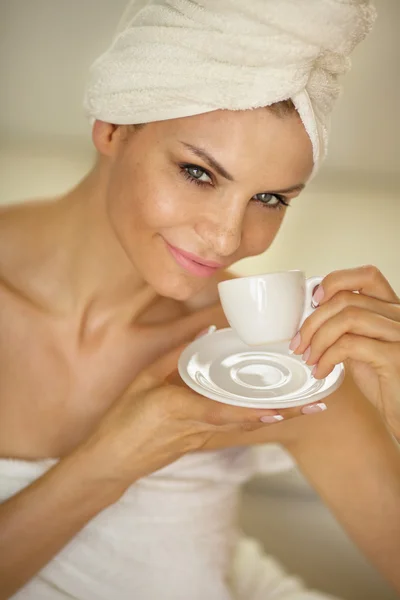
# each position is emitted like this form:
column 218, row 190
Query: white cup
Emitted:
column 268, row 308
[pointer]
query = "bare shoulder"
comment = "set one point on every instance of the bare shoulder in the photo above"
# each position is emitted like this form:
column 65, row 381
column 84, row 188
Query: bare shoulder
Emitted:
column 21, row 231
column 20, row 236
column 12, row 215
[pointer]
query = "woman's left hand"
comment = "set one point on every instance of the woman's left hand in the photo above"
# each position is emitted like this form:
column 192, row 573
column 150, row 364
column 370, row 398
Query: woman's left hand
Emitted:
column 361, row 329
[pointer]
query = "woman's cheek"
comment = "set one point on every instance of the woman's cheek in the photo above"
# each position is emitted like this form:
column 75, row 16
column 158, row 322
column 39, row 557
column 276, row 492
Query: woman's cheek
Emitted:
column 259, row 230
column 164, row 207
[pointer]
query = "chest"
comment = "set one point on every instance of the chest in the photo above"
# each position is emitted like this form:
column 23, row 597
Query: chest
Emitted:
column 56, row 381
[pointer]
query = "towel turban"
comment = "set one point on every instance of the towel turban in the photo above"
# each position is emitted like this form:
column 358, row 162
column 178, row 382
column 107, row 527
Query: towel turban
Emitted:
column 176, row 58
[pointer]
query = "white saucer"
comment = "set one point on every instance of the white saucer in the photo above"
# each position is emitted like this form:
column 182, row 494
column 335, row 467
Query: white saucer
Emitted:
column 222, row 367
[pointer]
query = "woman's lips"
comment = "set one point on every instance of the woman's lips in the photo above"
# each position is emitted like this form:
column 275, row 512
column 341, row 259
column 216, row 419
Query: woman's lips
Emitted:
column 194, row 264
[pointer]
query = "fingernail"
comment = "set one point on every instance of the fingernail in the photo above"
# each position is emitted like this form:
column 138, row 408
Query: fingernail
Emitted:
column 271, row 419
column 295, row 343
column 312, row 409
column 306, row 354
column 314, row 370
column 210, row 329
column 318, row 296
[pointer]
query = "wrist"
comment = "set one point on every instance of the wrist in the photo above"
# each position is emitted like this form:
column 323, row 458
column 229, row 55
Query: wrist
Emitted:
column 97, row 474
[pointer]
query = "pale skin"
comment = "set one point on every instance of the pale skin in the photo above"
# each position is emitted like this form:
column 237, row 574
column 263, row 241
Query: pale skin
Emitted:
column 94, row 310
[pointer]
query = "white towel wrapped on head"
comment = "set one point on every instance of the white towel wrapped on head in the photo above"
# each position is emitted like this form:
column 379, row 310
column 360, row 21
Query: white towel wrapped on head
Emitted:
column 176, row 58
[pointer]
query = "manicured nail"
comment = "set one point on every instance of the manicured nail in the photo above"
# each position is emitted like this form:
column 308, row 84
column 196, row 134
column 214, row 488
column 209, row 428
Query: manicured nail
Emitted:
column 318, row 296
column 312, row 409
column 295, row 343
column 210, row 329
column 306, row 354
column 314, row 370
column 271, row 419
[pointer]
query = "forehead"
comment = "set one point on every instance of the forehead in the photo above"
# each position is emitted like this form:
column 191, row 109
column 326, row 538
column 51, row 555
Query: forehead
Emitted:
column 245, row 142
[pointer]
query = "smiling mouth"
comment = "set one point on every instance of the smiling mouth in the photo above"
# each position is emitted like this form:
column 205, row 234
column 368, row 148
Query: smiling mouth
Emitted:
column 192, row 263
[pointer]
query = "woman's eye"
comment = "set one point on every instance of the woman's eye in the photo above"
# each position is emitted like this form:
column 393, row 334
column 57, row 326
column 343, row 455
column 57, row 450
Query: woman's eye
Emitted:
column 271, row 200
column 198, row 174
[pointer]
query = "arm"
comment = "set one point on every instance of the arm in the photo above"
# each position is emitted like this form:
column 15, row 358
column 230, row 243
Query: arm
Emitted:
column 53, row 510
column 347, row 453
column 149, row 427
column 351, row 460
column 58, row 505
column 354, row 465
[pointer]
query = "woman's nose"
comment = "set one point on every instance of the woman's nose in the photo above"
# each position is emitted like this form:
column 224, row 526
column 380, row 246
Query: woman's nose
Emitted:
column 222, row 235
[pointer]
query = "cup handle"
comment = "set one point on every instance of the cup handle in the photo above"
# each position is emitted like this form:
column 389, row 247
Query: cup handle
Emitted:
column 311, row 284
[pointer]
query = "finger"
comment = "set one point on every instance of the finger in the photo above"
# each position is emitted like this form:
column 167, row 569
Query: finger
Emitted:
column 340, row 302
column 189, row 405
column 367, row 280
column 305, row 409
column 159, row 371
column 314, row 409
column 352, row 320
column 216, row 413
column 227, row 415
column 349, row 346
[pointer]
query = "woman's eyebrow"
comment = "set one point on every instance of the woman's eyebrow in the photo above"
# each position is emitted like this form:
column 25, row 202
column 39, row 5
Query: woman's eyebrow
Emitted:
column 210, row 160
column 214, row 164
column 294, row 188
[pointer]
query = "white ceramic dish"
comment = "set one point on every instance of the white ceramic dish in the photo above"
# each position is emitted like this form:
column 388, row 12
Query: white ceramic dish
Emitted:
column 222, row 367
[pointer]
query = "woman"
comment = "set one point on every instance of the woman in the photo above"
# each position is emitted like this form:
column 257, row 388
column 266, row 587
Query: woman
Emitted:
column 101, row 287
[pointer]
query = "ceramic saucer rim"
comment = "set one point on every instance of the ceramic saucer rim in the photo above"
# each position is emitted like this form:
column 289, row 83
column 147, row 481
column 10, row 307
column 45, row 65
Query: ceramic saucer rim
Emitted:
column 260, row 403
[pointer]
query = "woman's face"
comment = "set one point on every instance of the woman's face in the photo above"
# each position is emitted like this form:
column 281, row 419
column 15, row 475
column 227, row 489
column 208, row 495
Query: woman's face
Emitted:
column 189, row 196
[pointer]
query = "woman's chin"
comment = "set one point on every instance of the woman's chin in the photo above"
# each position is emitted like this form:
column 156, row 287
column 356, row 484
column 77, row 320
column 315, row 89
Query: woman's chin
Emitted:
column 178, row 288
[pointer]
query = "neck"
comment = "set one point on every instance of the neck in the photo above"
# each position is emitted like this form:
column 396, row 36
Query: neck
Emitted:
column 96, row 274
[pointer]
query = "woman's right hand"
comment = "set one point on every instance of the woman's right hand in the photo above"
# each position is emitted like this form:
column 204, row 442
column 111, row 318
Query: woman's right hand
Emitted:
column 154, row 423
